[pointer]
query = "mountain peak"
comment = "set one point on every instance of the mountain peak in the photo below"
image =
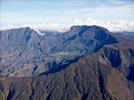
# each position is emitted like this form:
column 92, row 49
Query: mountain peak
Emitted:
column 31, row 29
column 92, row 30
column 85, row 27
column 96, row 32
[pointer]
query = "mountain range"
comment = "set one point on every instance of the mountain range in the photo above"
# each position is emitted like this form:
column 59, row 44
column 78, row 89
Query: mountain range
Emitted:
column 83, row 63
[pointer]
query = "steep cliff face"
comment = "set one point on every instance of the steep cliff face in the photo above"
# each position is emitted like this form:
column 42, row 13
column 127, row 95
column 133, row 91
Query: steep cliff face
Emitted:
column 86, row 39
column 113, row 56
column 121, row 58
column 27, row 52
column 20, row 49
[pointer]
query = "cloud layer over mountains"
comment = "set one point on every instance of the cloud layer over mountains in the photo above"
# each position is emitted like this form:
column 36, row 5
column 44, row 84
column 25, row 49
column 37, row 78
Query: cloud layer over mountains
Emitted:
column 114, row 26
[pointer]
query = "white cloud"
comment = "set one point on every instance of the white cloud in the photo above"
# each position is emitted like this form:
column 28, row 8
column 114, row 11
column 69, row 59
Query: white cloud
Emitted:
column 114, row 26
column 107, row 12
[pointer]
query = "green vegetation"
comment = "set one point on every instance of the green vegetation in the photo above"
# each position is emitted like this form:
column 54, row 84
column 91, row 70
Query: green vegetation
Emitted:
column 41, row 68
column 2, row 96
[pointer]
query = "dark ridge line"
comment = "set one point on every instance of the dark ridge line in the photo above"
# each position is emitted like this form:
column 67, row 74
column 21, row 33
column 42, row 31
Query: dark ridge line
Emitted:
column 61, row 66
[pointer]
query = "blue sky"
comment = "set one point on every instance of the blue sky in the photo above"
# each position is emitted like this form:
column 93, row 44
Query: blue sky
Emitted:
column 17, row 12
